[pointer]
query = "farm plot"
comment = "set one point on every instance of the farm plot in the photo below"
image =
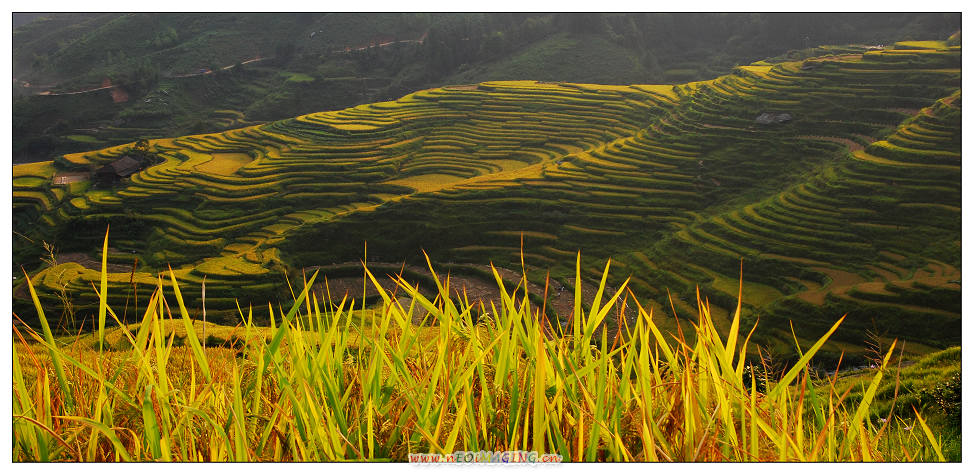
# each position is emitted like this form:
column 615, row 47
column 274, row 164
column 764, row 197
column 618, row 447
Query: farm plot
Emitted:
column 224, row 163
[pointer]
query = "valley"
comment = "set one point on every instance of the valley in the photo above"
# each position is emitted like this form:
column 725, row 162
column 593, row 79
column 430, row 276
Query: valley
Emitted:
column 851, row 205
column 458, row 237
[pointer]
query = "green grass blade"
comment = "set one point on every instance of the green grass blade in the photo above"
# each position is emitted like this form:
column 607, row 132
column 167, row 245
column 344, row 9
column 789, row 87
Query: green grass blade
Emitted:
column 539, row 421
column 282, row 329
column 239, row 426
column 152, row 435
column 194, row 342
column 52, row 347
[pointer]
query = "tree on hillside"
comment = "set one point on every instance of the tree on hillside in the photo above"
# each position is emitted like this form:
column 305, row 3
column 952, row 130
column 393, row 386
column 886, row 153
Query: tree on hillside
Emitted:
column 142, row 146
column 141, row 151
column 582, row 23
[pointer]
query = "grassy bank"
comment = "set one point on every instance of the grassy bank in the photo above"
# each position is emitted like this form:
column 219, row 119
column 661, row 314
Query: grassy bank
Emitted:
column 335, row 382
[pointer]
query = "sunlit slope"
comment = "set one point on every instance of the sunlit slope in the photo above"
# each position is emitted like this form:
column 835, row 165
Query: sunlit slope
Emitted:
column 203, row 202
column 875, row 234
column 852, row 206
column 648, row 199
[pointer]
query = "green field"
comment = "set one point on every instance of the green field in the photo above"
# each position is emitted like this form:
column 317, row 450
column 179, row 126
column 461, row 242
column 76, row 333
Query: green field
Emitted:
column 667, row 180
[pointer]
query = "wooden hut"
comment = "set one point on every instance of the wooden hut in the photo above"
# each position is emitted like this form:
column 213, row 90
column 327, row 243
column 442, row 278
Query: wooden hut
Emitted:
column 113, row 172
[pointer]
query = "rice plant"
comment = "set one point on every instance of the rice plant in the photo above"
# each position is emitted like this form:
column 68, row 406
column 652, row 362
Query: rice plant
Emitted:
column 331, row 382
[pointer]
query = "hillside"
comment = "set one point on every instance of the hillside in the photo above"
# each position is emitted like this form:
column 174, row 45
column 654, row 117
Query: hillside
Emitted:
column 851, row 206
column 172, row 74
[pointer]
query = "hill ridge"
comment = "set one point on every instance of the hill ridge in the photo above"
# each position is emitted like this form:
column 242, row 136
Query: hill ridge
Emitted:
column 680, row 173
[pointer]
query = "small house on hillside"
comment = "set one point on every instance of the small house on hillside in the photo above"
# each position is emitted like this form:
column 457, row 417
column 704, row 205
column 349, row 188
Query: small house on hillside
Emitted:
column 122, row 168
column 769, row 118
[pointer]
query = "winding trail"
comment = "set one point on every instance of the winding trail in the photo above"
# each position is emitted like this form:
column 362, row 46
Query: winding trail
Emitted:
column 100, row 88
column 852, row 144
column 420, row 40
column 116, row 88
column 206, row 71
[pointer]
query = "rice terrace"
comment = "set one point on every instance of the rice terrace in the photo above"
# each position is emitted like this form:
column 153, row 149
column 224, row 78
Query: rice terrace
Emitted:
column 760, row 265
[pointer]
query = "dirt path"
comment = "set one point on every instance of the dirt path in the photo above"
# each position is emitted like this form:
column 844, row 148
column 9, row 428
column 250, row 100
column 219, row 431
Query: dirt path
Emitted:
column 420, row 40
column 206, row 71
column 99, row 88
column 853, row 145
column 866, row 138
column 842, row 57
column 90, row 262
column 949, row 100
column 119, row 95
column 904, row 110
column 722, row 127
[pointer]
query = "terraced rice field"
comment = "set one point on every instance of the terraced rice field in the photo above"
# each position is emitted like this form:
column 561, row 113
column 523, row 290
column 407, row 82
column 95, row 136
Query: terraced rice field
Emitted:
column 853, row 206
column 224, row 163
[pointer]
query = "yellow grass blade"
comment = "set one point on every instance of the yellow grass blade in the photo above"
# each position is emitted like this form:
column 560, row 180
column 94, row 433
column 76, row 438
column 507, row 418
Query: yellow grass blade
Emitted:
column 103, row 297
column 736, row 321
column 790, row 376
column 930, row 438
column 867, row 398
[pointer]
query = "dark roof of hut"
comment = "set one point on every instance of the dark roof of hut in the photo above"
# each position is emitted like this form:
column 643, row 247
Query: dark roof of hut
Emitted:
column 123, row 167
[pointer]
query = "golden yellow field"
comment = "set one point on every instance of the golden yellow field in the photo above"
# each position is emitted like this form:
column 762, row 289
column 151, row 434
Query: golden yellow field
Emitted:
column 224, row 163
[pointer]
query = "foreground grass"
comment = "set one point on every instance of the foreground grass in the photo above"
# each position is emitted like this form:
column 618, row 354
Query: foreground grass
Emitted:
column 336, row 383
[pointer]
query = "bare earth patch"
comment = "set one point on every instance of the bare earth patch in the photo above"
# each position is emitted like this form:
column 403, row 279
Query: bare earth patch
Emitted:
column 70, row 177
column 853, row 145
column 462, row 87
column 91, row 263
column 561, row 299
